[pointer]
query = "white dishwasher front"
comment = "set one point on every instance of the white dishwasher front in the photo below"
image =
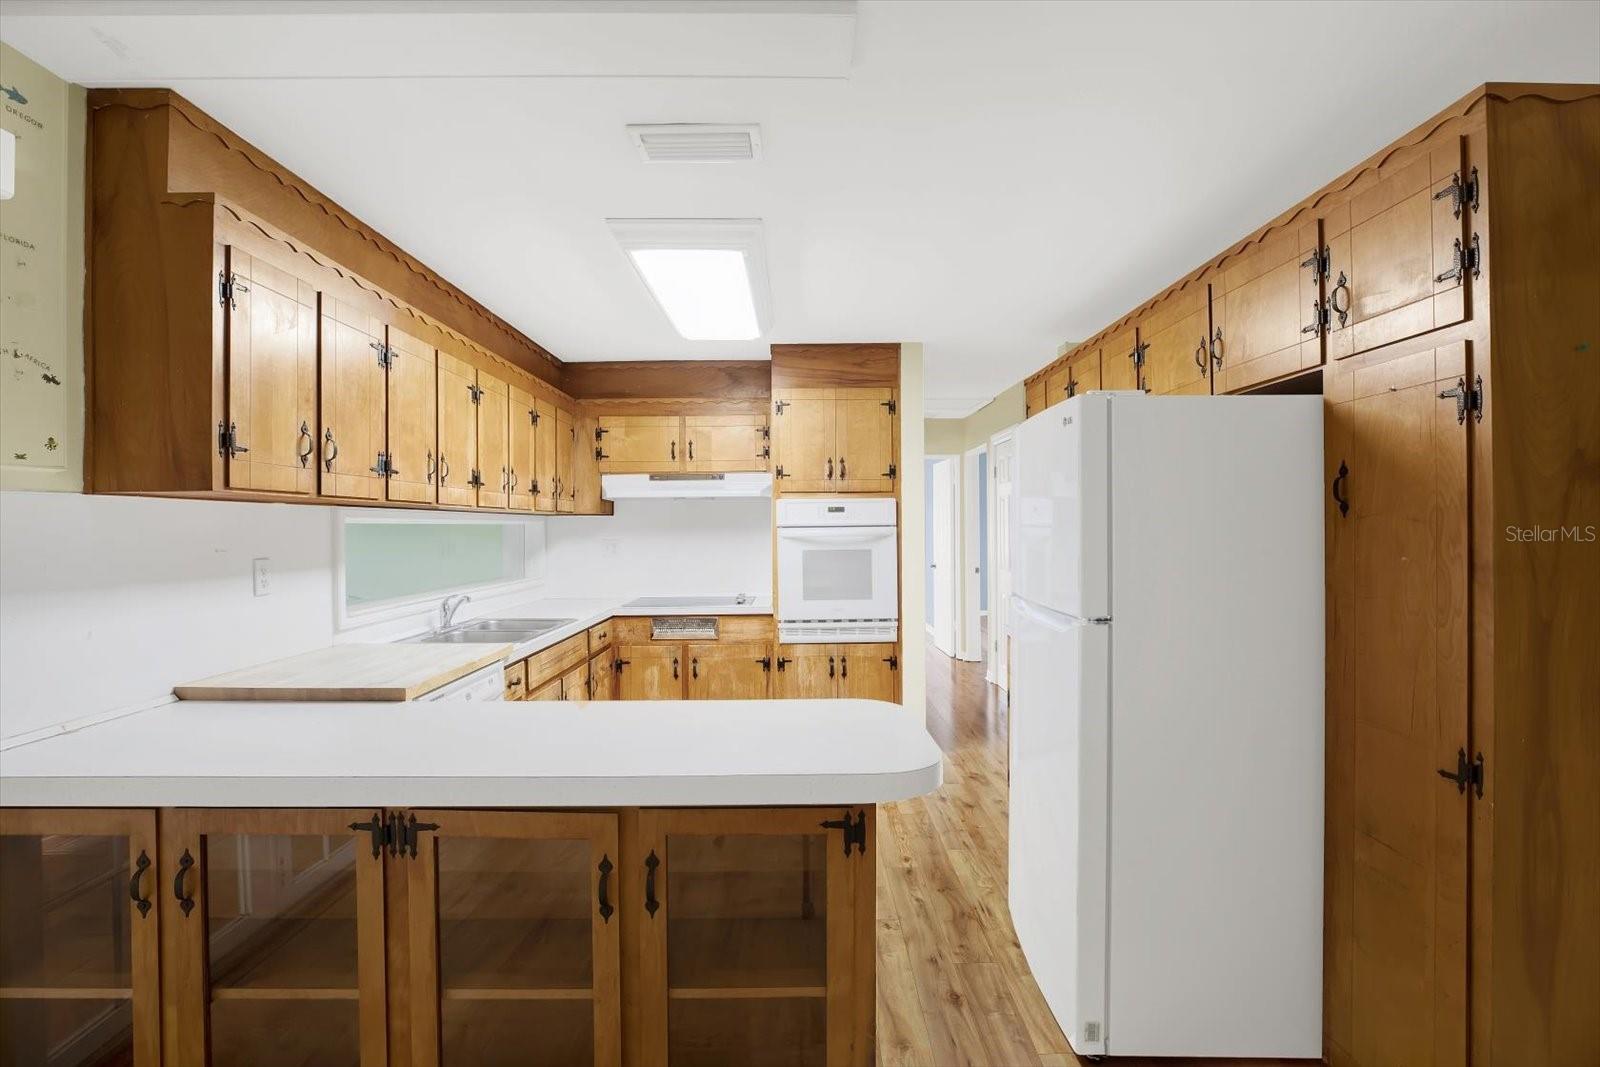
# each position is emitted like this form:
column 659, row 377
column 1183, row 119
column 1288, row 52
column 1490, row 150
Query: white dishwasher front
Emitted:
column 485, row 683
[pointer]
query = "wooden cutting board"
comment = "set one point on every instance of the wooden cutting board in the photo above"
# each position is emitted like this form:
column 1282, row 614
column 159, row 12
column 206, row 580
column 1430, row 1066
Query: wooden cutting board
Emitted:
column 349, row 672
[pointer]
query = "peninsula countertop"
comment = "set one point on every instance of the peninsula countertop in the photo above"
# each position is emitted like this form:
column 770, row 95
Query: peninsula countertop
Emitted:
column 448, row 753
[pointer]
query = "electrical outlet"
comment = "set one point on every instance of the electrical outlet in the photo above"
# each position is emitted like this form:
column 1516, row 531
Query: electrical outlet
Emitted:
column 610, row 547
column 261, row 575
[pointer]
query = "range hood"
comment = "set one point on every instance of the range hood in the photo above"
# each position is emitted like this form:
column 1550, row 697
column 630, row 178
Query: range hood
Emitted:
column 738, row 485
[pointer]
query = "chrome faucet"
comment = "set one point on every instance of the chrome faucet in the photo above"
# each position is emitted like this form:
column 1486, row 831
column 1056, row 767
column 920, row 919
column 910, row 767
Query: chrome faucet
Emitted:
column 448, row 608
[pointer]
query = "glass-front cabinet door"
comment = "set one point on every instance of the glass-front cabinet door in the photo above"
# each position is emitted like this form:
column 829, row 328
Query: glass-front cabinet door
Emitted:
column 752, row 925
column 514, row 944
column 79, row 938
column 274, row 951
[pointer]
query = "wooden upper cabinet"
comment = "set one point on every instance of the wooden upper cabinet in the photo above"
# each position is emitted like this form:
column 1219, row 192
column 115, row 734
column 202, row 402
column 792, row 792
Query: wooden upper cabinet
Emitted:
column 803, row 459
column 354, row 402
column 494, row 441
column 1055, row 385
column 413, row 419
column 650, row 672
column 728, row 670
column 522, row 442
column 585, row 467
column 725, row 443
column 805, row 672
column 1083, row 371
column 544, row 456
column 1400, row 251
column 631, row 444
column 511, row 928
column 271, row 363
column 264, row 908
column 458, row 431
column 1265, row 310
column 865, row 429
column 566, row 474
column 869, row 672
column 1117, row 367
column 1035, row 397
column 1175, row 335
column 80, row 930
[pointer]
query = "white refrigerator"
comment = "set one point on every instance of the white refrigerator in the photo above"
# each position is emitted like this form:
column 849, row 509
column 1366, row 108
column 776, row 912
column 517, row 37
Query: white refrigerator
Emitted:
column 1166, row 722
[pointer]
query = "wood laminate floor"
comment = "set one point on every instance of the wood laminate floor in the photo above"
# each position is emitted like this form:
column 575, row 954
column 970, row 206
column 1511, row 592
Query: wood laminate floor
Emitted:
column 954, row 989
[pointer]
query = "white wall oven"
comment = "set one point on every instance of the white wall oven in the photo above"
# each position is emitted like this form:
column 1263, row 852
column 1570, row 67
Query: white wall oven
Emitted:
column 838, row 561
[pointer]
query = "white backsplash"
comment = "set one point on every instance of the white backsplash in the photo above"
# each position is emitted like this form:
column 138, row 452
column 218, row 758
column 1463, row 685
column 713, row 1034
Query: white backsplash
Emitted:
column 663, row 548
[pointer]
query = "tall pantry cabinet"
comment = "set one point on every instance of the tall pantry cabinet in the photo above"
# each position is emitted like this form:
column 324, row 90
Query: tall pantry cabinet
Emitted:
column 1444, row 297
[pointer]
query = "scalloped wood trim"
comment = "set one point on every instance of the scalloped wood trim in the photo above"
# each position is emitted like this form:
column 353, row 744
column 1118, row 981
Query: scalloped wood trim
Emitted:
column 1469, row 106
column 147, row 100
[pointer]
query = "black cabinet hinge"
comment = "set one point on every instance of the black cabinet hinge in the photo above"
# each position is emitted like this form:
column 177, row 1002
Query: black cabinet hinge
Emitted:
column 599, row 454
column 386, row 355
column 1319, row 261
column 476, row 481
column 1461, row 193
column 766, row 663
column 855, row 830
column 384, row 467
column 892, row 473
column 766, row 433
column 533, row 416
column 476, row 393
column 778, row 473
column 1137, row 355
column 599, row 432
column 228, row 439
column 888, row 404
column 618, row 664
column 778, row 406
column 404, row 831
column 893, row 662
column 1467, row 398
column 1463, row 258
column 228, row 287
column 1321, row 319
column 381, row 831
column 1467, row 772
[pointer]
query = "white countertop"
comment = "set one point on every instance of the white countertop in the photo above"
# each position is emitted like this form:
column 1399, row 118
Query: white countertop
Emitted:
column 466, row 754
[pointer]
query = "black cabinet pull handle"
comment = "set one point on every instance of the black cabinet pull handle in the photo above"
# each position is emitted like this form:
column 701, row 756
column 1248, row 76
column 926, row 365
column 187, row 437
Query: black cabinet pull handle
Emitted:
column 651, row 904
column 376, row 829
column 444, row 469
column 185, row 901
column 691, row 449
column 844, row 666
column 310, row 442
column 1200, row 357
column 1338, row 485
column 327, row 443
column 432, row 467
column 830, row 666
column 830, row 468
column 842, row 474
column 139, row 901
column 1340, row 309
column 674, row 668
column 1216, row 348
column 674, row 452
column 605, row 878
column 694, row 667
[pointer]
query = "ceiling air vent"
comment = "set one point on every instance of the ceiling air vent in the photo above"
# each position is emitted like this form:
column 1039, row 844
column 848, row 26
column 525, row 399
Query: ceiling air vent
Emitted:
column 696, row 142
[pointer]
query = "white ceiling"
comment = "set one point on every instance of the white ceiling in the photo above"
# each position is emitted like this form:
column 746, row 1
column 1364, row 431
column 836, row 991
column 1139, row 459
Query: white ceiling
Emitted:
column 991, row 179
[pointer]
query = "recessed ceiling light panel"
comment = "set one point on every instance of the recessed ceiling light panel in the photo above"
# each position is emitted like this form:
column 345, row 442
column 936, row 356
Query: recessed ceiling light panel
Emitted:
column 708, row 276
column 696, row 142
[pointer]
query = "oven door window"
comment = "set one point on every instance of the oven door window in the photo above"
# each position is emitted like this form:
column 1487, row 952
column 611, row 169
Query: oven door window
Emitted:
column 840, row 574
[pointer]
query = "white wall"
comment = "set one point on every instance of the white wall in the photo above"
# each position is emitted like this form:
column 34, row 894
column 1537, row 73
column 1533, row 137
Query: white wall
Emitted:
column 107, row 602
column 913, row 550
column 663, row 548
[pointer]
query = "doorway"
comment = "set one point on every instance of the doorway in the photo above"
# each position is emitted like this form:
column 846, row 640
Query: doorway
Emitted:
column 1001, row 463
column 943, row 493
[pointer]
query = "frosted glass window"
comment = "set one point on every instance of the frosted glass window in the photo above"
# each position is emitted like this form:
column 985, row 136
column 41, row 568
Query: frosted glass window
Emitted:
column 390, row 561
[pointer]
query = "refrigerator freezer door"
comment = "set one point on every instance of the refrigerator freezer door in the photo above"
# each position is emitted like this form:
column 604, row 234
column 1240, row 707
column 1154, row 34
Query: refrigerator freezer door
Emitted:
column 1061, row 525
column 1060, row 718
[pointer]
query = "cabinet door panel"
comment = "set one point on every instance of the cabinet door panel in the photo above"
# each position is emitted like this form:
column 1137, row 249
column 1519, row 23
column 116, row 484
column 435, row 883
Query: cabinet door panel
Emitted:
column 1265, row 311
column 602, row 677
column 413, row 419
column 1083, row 371
column 280, row 958
column 585, row 468
column 575, row 683
column 728, row 670
column 651, row 672
column 458, row 431
column 551, row 690
column 803, row 459
column 725, row 443
column 1055, row 385
column 805, row 672
column 1034, row 397
column 1177, row 357
column 1117, row 369
column 494, row 441
column 864, row 426
column 1393, row 255
column 750, row 952
column 80, row 935
column 354, row 402
column 514, row 950
column 544, row 456
column 640, row 443
column 1397, row 714
column 566, row 474
column 272, row 377
column 522, row 464
column 869, row 672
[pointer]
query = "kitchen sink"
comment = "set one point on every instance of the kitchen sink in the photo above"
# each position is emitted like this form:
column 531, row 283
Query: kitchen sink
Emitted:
column 492, row 632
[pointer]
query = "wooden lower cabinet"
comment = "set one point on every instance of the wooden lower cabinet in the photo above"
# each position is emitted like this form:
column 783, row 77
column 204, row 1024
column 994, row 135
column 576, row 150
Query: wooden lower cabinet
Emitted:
column 650, row 672
column 79, row 937
column 603, row 676
column 728, row 670
column 575, row 683
column 511, row 938
column 273, row 928
column 431, row 938
column 756, row 938
column 860, row 672
column 550, row 690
